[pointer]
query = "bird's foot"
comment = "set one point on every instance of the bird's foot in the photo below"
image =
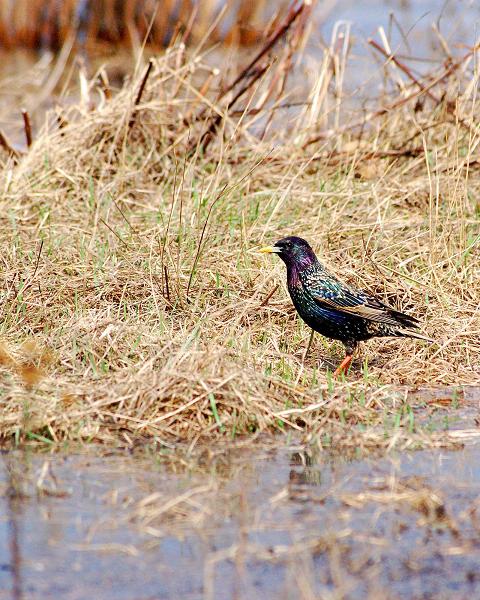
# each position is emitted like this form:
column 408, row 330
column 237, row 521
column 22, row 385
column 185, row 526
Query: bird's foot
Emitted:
column 343, row 366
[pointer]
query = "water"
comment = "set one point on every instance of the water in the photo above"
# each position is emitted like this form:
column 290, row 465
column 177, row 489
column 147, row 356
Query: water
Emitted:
column 275, row 522
column 407, row 23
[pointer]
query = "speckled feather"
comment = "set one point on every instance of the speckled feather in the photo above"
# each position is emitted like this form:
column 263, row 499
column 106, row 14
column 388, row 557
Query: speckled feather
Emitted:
column 334, row 309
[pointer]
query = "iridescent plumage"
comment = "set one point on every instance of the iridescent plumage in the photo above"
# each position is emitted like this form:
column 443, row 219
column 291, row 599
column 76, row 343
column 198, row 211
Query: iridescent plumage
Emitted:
column 335, row 309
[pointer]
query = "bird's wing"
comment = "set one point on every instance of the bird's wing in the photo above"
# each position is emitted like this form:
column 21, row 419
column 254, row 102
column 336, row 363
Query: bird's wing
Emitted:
column 330, row 293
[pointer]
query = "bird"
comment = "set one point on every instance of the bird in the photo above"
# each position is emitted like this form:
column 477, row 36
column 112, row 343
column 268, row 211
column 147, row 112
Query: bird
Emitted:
column 333, row 308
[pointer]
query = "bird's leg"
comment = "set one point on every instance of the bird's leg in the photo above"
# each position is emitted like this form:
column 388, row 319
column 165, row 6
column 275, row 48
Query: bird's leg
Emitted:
column 343, row 367
column 309, row 344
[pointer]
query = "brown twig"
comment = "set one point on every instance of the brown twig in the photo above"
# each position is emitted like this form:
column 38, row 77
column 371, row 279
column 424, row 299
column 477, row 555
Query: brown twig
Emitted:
column 123, row 215
column 27, row 127
column 141, row 89
column 265, row 302
column 29, row 282
column 114, row 232
column 37, row 262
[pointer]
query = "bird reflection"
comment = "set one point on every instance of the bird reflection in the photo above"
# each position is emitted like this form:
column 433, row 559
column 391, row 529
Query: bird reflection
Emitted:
column 305, row 469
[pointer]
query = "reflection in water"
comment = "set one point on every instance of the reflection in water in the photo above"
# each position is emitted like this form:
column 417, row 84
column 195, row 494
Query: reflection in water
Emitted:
column 282, row 523
column 307, row 470
column 14, row 516
column 15, row 519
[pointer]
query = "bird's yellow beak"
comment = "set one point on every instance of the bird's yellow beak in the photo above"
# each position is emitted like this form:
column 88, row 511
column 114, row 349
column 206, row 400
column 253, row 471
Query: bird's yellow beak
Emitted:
column 270, row 250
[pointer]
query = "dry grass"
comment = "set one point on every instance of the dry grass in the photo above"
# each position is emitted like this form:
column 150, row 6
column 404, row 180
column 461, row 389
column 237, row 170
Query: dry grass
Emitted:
column 133, row 304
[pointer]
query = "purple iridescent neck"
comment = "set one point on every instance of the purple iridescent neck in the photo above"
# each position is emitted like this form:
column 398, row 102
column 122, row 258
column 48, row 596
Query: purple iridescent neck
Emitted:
column 302, row 261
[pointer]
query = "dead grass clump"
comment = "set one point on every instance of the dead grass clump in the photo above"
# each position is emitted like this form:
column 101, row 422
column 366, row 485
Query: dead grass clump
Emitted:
column 128, row 237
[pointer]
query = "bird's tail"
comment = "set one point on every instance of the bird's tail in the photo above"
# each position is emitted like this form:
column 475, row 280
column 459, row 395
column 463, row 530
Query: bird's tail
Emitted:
column 414, row 334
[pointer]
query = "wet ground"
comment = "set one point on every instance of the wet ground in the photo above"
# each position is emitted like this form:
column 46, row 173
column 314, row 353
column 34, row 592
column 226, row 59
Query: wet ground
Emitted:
column 279, row 521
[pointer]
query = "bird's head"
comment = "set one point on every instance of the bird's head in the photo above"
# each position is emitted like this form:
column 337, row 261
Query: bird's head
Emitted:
column 294, row 251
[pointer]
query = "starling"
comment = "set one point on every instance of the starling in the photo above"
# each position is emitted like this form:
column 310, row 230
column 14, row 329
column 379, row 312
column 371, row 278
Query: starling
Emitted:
column 333, row 308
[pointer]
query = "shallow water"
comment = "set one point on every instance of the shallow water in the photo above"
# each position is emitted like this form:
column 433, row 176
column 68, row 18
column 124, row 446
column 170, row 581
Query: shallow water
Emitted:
column 272, row 522
column 407, row 23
